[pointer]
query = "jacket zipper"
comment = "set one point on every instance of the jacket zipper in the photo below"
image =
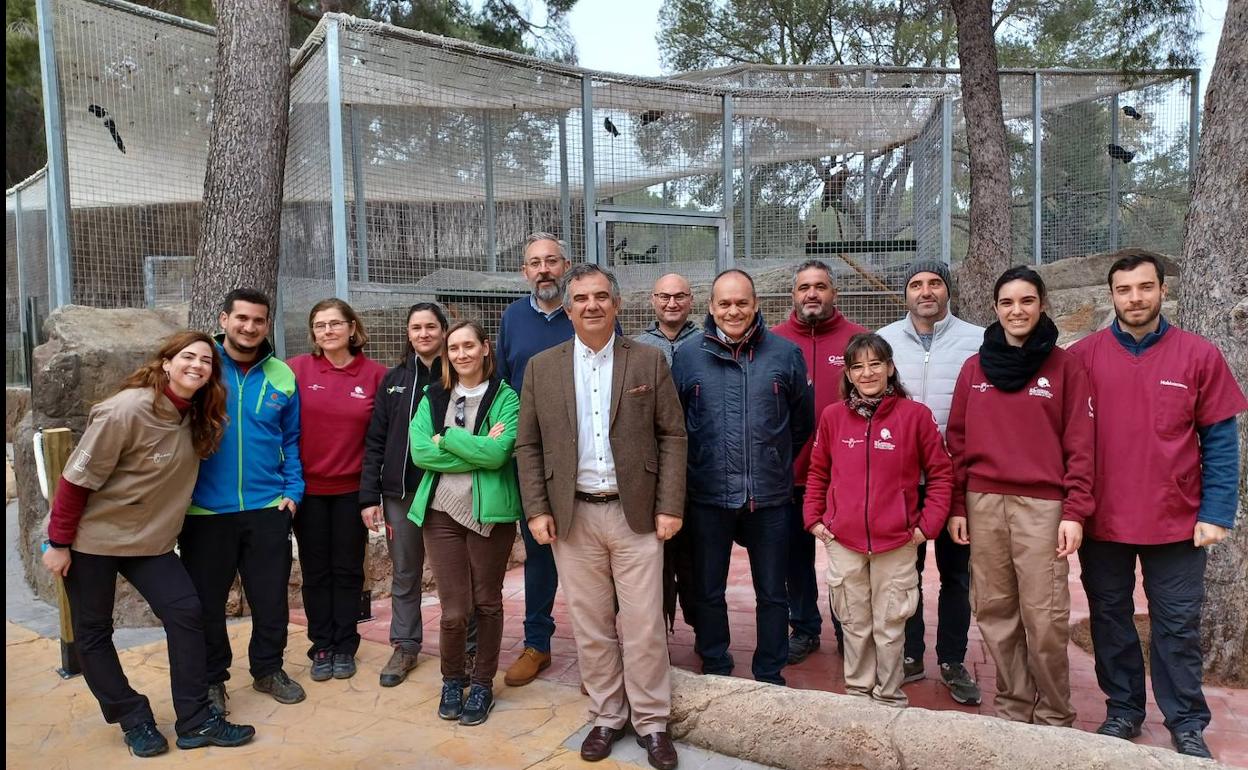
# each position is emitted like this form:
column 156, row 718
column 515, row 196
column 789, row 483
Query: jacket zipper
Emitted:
column 749, row 444
column 407, row 442
column 927, row 356
column 242, row 506
column 866, row 498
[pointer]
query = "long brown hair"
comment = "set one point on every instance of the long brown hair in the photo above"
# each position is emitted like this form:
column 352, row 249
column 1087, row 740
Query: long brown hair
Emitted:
column 359, row 337
column 450, row 377
column 869, row 344
column 207, row 411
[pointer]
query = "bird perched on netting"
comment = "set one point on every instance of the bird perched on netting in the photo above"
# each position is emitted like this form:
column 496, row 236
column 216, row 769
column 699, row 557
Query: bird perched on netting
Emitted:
column 649, row 116
column 112, row 129
column 611, row 129
column 1131, row 112
column 97, row 111
column 833, row 185
column 623, row 244
column 1118, row 153
column 812, row 235
column 649, row 254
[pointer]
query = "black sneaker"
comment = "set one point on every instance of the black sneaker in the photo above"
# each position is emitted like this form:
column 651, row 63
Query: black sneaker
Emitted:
column 800, row 647
column 322, row 666
column 216, row 732
column 1119, row 727
column 343, row 665
column 280, row 686
column 451, row 706
column 478, row 706
column 962, row 686
column 1191, row 743
column 912, row 670
column 145, row 740
column 216, row 699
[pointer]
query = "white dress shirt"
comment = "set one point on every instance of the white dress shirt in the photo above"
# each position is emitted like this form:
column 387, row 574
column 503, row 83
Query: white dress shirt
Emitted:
column 595, row 466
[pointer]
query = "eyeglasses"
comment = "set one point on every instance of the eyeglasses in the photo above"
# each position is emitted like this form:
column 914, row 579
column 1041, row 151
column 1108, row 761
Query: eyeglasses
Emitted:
column 459, row 410
column 536, row 264
column 665, row 298
column 333, row 325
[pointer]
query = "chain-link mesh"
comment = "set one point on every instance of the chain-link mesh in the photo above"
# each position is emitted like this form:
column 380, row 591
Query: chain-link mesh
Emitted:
column 26, row 299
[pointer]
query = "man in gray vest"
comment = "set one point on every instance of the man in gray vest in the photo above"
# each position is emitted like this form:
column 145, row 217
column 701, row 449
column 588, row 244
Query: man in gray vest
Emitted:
column 930, row 344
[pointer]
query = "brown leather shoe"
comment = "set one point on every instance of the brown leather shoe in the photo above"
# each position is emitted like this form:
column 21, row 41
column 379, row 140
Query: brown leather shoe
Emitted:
column 597, row 745
column 659, row 750
column 527, row 667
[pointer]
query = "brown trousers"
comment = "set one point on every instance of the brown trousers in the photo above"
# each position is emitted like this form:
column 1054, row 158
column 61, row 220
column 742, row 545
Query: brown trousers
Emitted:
column 469, row 570
column 599, row 559
column 873, row 596
column 1021, row 598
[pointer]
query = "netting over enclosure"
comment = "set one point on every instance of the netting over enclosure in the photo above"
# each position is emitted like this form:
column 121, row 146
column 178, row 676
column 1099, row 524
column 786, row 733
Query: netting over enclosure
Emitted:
column 416, row 165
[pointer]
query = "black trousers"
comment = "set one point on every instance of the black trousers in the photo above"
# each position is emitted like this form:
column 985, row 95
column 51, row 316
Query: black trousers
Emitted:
column 1174, row 582
column 332, row 540
column 92, row 587
column 256, row 546
column 800, row 581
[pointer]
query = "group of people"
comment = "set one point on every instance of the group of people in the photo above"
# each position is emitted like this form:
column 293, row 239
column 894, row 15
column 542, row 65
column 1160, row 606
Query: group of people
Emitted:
column 627, row 461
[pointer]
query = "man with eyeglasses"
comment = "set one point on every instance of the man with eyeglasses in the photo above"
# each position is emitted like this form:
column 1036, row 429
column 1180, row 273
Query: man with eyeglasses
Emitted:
column 530, row 325
column 673, row 301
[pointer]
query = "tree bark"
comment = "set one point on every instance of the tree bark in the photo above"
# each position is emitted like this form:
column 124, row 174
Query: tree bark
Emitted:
column 988, row 253
column 1214, row 303
column 241, row 221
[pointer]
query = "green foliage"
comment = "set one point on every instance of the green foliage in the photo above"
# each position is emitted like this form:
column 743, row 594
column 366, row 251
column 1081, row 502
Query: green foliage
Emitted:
column 23, row 98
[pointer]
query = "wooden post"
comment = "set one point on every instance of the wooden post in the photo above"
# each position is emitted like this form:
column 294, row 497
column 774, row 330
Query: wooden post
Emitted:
column 58, row 444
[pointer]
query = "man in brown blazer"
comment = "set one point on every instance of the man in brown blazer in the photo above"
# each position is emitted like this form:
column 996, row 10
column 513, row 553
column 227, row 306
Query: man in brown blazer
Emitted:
column 601, row 455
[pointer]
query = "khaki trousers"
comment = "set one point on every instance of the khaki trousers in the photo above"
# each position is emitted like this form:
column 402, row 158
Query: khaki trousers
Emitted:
column 873, row 596
column 599, row 559
column 1021, row 599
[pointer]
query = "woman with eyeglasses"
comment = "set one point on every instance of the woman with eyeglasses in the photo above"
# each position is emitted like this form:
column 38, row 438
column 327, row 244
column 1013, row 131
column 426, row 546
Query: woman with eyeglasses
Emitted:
column 1022, row 437
column 464, row 436
column 390, row 480
column 337, row 384
column 870, row 452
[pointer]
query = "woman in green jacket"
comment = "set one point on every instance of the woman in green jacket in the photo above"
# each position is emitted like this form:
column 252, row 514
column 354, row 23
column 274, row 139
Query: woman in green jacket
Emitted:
column 463, row 437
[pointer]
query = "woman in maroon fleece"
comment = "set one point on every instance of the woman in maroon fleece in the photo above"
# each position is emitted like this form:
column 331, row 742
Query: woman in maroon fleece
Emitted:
column 1021, row 435
column 870, row 453
column 337, row 384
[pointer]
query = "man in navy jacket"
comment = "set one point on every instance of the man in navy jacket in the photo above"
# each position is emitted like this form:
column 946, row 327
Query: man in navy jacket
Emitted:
column 749, row 409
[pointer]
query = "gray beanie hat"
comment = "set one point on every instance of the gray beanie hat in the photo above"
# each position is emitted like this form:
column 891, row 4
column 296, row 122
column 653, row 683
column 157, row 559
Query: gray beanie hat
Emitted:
column 930, row 266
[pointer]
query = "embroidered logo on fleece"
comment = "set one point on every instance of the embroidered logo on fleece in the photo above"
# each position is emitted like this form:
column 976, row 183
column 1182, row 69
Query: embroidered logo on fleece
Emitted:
column 885, row 441
column 1043, row 388
column 982, row 387
column 853, row 442
column 1173, row 384
column 358, row 392
column 396, row 389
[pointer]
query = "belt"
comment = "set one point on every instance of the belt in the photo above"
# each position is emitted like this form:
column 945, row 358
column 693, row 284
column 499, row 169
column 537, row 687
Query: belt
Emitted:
column 600, row 499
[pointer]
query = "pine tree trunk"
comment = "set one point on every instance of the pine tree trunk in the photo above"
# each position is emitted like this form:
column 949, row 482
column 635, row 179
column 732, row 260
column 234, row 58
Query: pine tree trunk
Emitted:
column 988, row 253
column 241, row 220
column 1214, row 303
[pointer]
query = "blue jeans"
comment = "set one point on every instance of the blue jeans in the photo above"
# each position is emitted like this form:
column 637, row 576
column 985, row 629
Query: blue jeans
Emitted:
column 541, row 580
column 765, row 535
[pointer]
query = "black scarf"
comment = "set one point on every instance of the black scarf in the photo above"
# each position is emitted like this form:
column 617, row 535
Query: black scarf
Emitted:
column 1009, row 368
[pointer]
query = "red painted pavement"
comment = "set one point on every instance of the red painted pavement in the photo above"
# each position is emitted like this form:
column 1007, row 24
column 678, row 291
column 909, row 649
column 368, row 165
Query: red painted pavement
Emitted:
column 1227, row 736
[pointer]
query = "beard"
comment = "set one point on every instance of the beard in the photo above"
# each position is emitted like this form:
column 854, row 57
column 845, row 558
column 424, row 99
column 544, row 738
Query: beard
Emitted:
column 547, row 292
column 1154, row 311
column 812, row 317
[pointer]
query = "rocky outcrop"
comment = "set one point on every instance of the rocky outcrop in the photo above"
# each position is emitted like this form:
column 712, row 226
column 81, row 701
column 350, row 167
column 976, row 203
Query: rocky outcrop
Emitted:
column 814, row 730
column 16, row 405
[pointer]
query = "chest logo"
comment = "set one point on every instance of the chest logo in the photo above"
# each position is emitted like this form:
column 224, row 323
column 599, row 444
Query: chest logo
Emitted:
column 1043, row 382
column 159, row 458
column 853, row 442
column 982, row 387
column 358, row 392
column 314, row 386
column 886, row 434
column 1042, row 389
column 396, row 389
column 836, row 360
column 1173, row 384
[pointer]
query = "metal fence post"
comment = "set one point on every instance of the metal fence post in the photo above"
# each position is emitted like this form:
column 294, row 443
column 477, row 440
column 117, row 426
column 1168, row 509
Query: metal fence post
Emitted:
column 1037, row 172
column 337, row 172
column 727, row 257
column 1193, row 128
column 587, row 171
column 946, row 177
column 1113, row 175
column 868, row 175
column 747, row 193
column 491, row 226
column 60, row 269
column 565, row 197
column 357, row 182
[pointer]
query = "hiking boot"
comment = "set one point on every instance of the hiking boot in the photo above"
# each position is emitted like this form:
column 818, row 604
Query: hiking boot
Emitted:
column 478, row 706
column 527, row 667
column 962, row 686
column 280, row 686
column 912, row 670
column 800, row 647
column 216, row 699
column 395, row 671
column 145, row 740
column 1119, row 727
column 451, row 705
column 1191, row 743
column 322, row 666
column 343, row 665
column 216, row 732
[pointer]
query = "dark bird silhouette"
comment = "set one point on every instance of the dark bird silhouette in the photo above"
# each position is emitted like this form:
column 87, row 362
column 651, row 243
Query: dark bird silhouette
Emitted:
column 649, row 116
column 1131, row 112
column 650, row 252
column 112, row 129
column 1118, row 153
column 621, row 245
column 812, row 234
column 833, row 186
column 611, row 129
column 97, row 111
